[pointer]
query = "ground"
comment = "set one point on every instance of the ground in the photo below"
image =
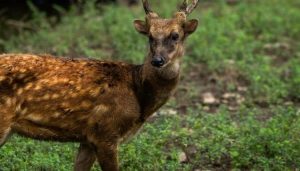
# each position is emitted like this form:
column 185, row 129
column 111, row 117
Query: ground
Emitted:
column 236, row 107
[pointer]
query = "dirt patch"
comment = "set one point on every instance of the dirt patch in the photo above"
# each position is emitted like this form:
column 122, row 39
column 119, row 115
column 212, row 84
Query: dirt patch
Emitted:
column 280, row 52
column 199, row 86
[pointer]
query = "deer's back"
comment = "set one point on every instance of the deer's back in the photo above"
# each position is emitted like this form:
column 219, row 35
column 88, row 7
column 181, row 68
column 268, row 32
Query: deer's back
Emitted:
column 64, row 97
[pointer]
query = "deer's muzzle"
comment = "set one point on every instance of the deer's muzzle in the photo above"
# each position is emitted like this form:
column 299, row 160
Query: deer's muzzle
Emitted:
column 158, row 61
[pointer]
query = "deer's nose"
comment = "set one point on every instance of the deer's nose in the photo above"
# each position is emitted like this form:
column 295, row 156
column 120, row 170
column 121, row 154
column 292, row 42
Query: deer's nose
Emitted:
column 158, row 61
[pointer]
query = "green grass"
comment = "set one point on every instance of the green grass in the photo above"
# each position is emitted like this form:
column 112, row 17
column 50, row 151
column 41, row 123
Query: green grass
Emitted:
column 254, row 44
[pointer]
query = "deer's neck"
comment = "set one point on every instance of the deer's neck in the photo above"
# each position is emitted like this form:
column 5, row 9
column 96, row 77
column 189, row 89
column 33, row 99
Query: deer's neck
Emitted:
column 155, row 86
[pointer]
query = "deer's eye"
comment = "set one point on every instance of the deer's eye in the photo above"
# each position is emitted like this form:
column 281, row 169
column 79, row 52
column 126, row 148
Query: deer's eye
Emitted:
column 174, row 36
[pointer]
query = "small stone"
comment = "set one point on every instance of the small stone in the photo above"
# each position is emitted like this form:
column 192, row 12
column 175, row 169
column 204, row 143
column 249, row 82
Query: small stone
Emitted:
column 230, row 61
column 209, row 98
column 240, row 100
column 182, row 157
column 171, row 112
column 242, row 89
column 155, row 114
column 224, row 101
column 168, row 112
column 232, row 108
column 206, row 108
column 191, row 131
column 230, row 95
column 288, row 103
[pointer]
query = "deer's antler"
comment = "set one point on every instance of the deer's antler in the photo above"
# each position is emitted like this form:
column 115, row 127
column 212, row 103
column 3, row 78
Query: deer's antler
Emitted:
column 150, row 14
column 147, row 7
column 187, row 9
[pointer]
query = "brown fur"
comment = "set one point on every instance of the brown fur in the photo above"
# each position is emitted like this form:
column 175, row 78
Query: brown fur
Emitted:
column 99, row 104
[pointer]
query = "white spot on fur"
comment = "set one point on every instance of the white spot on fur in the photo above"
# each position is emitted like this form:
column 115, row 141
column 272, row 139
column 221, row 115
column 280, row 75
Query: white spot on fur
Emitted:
column 2, row 78
column 101, row 108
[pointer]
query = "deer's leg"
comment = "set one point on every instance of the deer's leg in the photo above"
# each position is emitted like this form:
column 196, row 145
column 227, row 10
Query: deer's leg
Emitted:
column 5, row 128
column 107, row 156
column 85, row 157
column 5, row 123
column 4, row 134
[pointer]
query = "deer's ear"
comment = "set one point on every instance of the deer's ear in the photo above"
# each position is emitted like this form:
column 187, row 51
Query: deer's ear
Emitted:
column 190, row 26
column 141, row 26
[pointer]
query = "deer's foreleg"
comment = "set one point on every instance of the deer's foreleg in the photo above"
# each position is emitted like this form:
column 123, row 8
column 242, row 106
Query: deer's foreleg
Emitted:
column 107, row 156
column 85, row 158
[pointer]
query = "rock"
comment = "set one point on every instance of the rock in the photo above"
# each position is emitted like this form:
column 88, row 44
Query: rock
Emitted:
column 242, row 89
column 288, row 103
column 169, row 112
column 191, row 131
column 209, row 99
column 183, row 157
column 231, row 62
column 230, row 95
column 240, row 100
column 224, row 101
column 206, row 108
column 233, row 97
column 233, row 108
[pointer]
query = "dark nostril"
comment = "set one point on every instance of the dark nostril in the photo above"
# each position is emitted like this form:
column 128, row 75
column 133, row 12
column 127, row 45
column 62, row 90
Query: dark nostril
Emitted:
column 158, row 61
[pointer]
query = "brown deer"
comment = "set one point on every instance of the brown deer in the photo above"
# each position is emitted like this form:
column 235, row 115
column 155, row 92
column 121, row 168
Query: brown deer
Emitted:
column 96, row 103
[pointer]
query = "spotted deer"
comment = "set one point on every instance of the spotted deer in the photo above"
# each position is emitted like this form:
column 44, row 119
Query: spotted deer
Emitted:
column 98, row 104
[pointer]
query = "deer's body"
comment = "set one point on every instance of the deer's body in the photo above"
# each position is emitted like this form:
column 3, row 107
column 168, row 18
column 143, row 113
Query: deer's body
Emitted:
column 96, row 103
column 67, row 99
column 63, row 99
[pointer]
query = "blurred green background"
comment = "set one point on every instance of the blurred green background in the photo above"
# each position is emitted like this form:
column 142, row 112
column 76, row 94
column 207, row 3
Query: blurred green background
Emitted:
column 236, row 107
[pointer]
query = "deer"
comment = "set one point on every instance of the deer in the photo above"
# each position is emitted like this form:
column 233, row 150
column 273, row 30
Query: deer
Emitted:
column 98, row 104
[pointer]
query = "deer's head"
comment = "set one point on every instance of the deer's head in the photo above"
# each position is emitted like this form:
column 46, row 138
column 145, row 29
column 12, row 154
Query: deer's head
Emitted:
column 166, row 36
